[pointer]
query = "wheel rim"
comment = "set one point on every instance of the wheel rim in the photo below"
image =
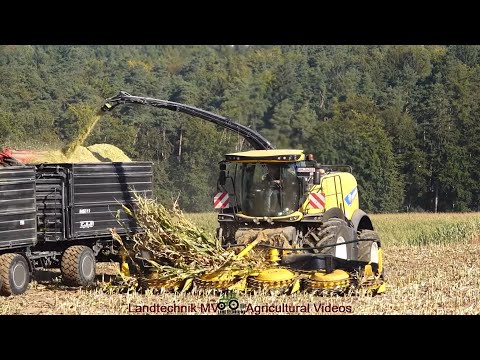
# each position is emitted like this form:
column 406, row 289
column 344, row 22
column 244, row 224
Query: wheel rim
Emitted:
column 19, row 275
column 341, row 250
column 374, row 253
column 87, row 267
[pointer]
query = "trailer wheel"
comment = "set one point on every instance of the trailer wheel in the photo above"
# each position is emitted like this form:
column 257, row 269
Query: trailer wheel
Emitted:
column 78, row 266
column 14, row 274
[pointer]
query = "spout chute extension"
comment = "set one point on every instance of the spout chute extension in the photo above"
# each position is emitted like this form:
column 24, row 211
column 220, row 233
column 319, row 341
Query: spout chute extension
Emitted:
column 253, row 137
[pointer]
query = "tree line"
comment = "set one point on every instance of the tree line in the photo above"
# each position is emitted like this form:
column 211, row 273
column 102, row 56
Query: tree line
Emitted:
column 405, row 117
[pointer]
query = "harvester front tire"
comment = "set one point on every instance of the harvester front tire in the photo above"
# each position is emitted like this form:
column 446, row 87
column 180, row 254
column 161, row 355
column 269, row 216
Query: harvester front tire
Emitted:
column 331, row 232
column 14, row 274
column 78, row 266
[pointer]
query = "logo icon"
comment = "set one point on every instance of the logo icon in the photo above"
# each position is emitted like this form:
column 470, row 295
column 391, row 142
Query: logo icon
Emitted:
column 229, row 304
column 351, row 196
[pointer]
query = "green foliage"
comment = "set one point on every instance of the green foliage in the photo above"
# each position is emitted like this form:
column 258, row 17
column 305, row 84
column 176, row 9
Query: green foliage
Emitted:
column 405, row 117
column 362, row 141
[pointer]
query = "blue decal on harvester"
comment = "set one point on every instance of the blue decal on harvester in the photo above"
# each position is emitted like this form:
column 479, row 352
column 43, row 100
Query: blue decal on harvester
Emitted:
column 349, row 198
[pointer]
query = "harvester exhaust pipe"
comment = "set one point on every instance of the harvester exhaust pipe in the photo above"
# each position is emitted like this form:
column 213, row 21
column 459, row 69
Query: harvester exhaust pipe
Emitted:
column 317, row 174
column 222, row 179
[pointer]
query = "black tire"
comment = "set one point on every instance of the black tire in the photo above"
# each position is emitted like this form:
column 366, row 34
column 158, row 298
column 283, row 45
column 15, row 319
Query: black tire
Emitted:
column 14, row 274
column 328, row 234
column 78, row 266
column 365, row 247
column 222, row 306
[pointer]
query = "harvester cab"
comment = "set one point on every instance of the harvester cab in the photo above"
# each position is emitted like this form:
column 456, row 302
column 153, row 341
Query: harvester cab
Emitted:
column 307, row 213
column 282, row 185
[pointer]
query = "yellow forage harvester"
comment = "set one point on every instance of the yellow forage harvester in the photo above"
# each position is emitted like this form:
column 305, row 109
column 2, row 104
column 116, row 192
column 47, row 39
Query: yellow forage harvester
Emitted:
column 308, row 212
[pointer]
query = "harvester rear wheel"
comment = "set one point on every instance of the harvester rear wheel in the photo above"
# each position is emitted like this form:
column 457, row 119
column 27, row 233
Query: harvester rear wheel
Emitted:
column 368, row 250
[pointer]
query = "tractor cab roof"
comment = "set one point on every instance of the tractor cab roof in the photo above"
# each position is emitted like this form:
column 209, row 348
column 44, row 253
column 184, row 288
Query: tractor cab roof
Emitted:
column 280, row 155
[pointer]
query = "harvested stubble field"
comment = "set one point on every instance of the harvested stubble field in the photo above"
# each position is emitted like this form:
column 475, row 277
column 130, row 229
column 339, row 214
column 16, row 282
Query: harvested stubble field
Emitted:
column 432, row 266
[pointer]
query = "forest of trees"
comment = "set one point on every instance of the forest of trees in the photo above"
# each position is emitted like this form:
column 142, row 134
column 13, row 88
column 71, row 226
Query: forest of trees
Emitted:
column 406, row 118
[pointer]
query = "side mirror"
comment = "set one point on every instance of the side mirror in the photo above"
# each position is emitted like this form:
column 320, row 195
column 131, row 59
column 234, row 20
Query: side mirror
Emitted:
column 317, row 175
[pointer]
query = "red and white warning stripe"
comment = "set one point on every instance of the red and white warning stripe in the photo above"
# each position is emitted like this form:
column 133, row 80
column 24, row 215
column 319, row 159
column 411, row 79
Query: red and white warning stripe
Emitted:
column 221, row 200
column 317, row 200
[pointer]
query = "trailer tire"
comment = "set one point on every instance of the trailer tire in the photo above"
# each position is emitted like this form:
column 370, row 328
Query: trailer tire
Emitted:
column 14, row 274
column 78, row 266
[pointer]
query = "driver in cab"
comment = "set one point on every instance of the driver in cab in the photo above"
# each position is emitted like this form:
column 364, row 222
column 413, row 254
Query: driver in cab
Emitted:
column 273, row 175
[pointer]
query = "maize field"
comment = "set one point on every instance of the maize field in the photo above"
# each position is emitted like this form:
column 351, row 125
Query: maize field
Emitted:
column 431, row 260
